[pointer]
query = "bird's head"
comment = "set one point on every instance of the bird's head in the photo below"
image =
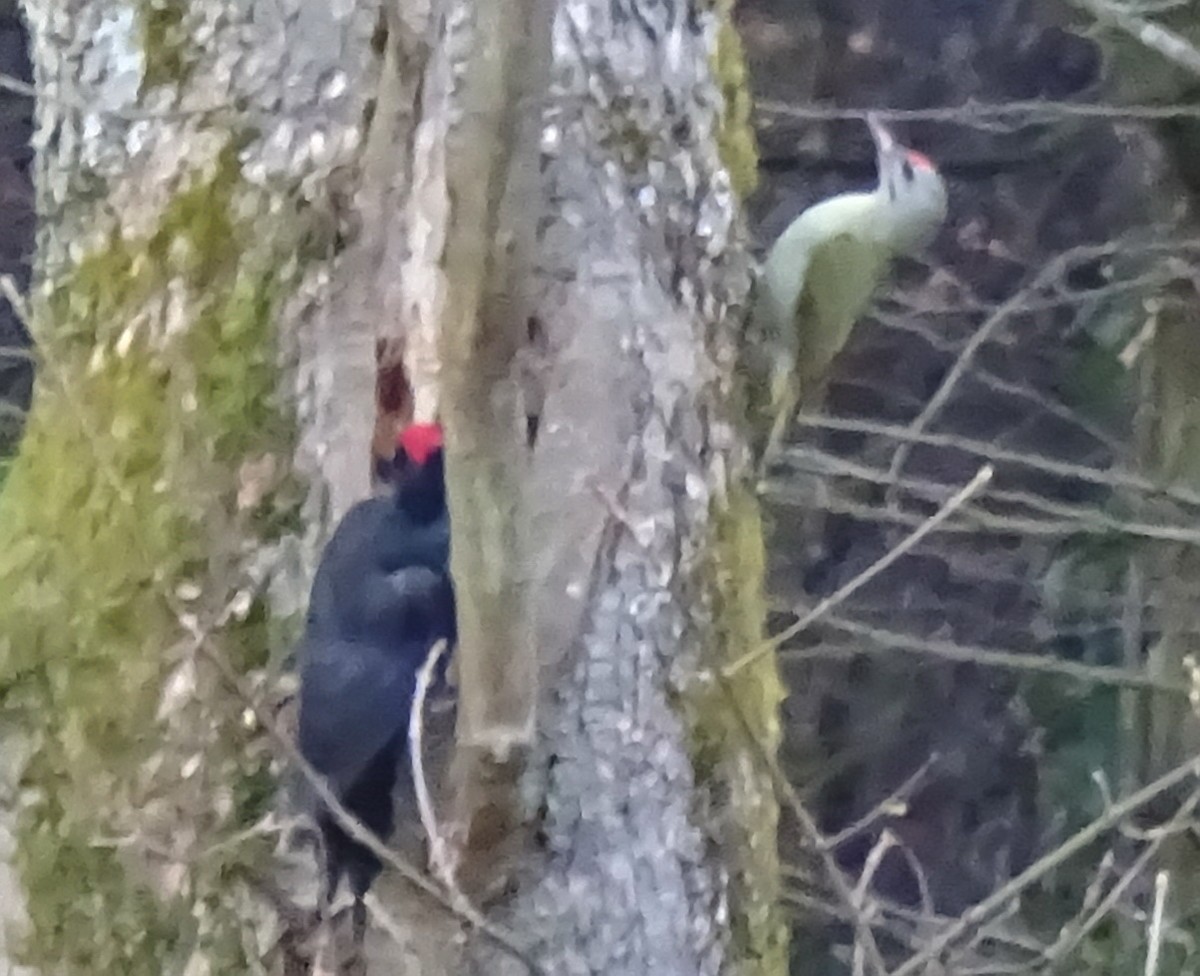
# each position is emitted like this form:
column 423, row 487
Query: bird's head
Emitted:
column 911, row 191
column 418, row 470
column 419, row 443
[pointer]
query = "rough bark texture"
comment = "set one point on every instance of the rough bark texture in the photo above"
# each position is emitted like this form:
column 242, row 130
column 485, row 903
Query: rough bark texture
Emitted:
column 630, row 476
column 206, row 275
column 186, row 159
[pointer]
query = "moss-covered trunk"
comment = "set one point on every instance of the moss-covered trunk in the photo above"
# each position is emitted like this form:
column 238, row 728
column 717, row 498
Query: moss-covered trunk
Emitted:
column 185, row 239
column 192, row 304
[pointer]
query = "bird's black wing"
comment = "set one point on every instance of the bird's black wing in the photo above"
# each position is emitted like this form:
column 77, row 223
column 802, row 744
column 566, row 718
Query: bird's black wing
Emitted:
column 355, row 697
column 403, row 543
column 415, row 583
column 345, row 561
column 424, row 602
column 354, row 594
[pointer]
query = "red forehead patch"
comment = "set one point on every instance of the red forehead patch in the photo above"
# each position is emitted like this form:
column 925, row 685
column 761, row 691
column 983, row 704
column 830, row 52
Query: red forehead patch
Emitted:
column 920, row 160
column 419, row 441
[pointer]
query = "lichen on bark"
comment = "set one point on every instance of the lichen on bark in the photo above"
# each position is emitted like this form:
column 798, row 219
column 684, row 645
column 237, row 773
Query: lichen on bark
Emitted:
column 735, row 729
column 735, row 137
column 121, row 509
column 735, row 721
column 185, row 234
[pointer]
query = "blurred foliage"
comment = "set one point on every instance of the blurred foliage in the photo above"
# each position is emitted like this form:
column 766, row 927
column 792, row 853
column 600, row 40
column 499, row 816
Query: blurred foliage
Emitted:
column 119, row 514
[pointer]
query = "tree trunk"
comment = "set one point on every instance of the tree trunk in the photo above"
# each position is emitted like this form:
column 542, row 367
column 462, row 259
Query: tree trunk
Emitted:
column 151, row 527
column 647, row 546
column 228, row 198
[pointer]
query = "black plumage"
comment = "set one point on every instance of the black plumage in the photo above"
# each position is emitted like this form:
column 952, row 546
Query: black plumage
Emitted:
column 381, row 598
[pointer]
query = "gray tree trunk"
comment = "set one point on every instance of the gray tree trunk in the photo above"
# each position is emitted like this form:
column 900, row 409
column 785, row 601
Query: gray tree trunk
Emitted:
column 225, row 241
column 629, row 474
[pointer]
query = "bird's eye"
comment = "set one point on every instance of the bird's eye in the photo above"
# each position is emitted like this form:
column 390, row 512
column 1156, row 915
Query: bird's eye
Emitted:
column 907, row 170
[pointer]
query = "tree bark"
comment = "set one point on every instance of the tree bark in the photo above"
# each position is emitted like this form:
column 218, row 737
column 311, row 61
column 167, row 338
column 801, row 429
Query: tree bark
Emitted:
column 188, row 162
column 651, row 796
column 218, row 264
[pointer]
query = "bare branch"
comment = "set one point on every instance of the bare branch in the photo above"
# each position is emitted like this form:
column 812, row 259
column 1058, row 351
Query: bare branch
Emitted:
column 864, row 937
column 15, row 86
column 1154, row 933
column 350, row 824
column 1174, row 47
column 441, row 859
column 887, row 641
column 991, row 324
column 1095, row 909
column 981, row 911
column 1072, row 518
column 1112, row 477
column 884, row 808
column 981, row 114
column 975, row 485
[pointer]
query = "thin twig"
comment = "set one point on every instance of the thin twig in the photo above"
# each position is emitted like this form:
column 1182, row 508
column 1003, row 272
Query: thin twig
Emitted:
column 352, row 826
column 1005, row 311
column 956, row 501
column 1154, row 933
column 19, row 353
column 811, row 903
column 1069, row 518
column 784, row 789
column 1113, row 477
column 884, row 808
column 982, row 910
column 15, row 86
column 973, row 113
column 870, row 867
column 887, row 641
column 1174, row 47
column 440, row 858
column 891, row 916
column 1095, row 911
column 386, row 922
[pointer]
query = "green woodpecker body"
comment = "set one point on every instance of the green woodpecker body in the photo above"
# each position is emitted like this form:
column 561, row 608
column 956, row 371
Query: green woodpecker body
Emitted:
column 821, row 274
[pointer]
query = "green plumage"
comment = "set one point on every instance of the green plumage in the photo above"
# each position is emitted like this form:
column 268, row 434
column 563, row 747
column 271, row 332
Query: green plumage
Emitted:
column 822, row 273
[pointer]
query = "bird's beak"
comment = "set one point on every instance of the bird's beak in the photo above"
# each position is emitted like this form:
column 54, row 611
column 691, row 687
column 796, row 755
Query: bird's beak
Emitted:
column 884, row 140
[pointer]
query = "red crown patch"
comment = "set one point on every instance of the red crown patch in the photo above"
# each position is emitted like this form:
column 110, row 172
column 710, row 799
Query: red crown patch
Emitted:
column 419, row 441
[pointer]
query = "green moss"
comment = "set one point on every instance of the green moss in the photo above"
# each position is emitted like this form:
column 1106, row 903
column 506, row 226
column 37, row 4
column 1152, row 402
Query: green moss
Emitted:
column 197, row 236
column 195, row 242
column 166, row 45
column 723, row 713
column 238, row 394
column 86, row 626
column 105, row 284
column 247, row 641
column 101, row 922
column 124, row 489
column 735, row 138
